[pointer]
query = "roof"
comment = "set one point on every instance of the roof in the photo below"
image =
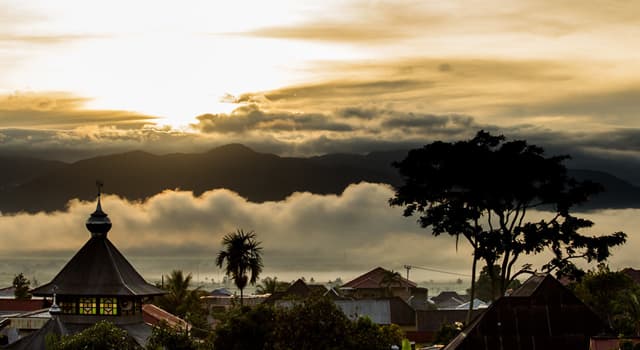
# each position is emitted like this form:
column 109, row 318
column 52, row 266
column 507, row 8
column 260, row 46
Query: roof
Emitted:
column 448, row 294
column 541, row 314
column 18, row 305
column 376, row 279
column 153, row 315
column 98, row 268
column 632, row 273
column 7, row 292
column 299, row 289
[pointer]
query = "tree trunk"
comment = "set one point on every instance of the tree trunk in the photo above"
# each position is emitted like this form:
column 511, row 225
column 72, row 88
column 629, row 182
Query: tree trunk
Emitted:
column 241, row 297
column 472, row 294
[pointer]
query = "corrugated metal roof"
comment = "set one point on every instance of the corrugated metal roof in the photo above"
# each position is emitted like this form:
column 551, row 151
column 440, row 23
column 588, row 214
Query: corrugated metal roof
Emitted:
column 98, row 268
column 542, row 314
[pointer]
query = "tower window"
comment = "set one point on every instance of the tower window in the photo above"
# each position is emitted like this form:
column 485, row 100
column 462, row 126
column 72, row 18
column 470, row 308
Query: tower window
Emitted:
column 87, row 306
column 108, row 306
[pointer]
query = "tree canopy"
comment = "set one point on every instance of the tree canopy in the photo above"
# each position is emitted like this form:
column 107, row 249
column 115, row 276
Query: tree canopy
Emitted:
column 614, row 296
column 242, row 254
column 485, row 191
column 313, row 323
column 21, row 285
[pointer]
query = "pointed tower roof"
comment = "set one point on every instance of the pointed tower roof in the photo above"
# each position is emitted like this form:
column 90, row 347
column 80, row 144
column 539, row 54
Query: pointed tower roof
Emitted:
column 98, row 268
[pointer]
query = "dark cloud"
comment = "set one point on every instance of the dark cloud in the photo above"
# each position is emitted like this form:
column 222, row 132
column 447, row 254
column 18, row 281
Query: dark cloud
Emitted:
column 251, row 118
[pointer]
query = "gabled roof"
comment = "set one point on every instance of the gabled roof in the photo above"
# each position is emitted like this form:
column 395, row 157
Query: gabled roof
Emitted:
column 541, row 314
column 376, row 279
column 299, row 289
column 98, row 268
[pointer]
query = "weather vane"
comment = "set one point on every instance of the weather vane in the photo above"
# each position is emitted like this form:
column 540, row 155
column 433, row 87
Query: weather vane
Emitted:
column 99, row 185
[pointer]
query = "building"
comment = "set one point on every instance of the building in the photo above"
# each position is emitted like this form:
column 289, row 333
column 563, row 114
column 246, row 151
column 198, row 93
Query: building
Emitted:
column 98, row 283
column 541, row 314
column 380, row 282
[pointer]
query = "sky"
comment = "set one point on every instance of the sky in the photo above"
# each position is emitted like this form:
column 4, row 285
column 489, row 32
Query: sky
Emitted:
column 84, row 78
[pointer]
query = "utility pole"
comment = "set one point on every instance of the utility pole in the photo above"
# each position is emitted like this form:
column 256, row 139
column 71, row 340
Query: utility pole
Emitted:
column 408, row 267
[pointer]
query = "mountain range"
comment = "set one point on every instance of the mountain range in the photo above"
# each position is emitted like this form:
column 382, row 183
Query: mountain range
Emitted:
column 33, row 185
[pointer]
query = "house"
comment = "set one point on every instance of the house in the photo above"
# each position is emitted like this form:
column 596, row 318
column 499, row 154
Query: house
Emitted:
column 380, row 282
column 540, row 314
column 98, row 283
column 298, row 290
column 449, row 300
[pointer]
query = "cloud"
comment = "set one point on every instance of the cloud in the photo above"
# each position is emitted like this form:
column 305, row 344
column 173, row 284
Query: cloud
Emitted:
column 59, row 110
column 378, row 23
column 250, row 117
column 306, row 234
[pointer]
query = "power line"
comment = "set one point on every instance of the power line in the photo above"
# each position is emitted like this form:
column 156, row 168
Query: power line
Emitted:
column 435, row 270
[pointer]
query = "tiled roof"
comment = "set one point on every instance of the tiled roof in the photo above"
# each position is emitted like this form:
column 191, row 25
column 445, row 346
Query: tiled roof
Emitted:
column 376, row 279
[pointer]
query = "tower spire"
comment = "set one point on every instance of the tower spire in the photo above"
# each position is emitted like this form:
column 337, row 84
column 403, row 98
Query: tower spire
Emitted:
column 98, row 223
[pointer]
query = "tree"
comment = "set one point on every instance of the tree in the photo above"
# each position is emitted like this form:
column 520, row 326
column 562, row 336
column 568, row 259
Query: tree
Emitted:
column 164, row 336
column 270, row 285
column 103, row 335
column 314, row 323
column 613, row 295
column 184, row 302
column 180, row 299
column 21, row 285
column 243, row 254
column 487, row 289
column 389, row 278
column 483, row 190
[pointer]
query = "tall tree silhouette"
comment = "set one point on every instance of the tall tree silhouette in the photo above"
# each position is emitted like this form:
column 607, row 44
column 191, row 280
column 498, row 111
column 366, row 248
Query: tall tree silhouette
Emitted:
column 242, row 254
column 484, row 190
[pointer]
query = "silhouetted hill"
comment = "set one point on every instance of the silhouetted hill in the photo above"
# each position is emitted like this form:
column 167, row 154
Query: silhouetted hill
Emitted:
column 15, row 171
column 33, row 185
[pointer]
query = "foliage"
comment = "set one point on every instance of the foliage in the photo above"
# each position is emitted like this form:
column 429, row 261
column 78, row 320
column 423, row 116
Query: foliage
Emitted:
column 103, row 335
column 367, row 335
column 184, row 302
column 389, row 278
column 21, row 285
column 164, row 337
column 614, row 296
column 447, row 332
column 246, row 328
column 270, row 285
column 482, row 191
column 488, row 289
column 243, row 254
column 314, row 323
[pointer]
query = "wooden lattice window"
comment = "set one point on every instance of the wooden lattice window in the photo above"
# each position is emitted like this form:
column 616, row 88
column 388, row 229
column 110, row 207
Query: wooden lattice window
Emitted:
column 108, row 306
column 68, row 307
column 128, row 307
column 87, row 306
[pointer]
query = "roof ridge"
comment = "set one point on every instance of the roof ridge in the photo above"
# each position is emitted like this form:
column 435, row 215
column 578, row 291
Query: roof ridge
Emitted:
column 115, row 266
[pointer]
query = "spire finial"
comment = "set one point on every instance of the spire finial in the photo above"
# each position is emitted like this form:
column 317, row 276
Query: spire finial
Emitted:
column 99, row 223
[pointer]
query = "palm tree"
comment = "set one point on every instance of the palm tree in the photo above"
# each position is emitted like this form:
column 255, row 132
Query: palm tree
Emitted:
column 270, row 285
column 179, row 300
column 389, row 279
column 242, row 253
